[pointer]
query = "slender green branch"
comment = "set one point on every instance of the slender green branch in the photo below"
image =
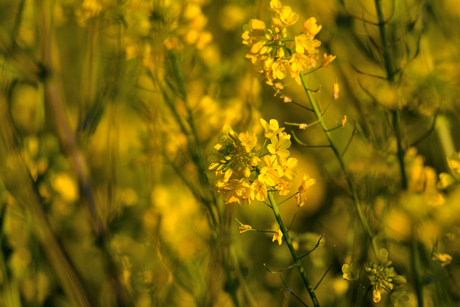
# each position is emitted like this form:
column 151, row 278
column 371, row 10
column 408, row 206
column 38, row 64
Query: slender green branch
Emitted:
column 316, row 246
column 365, row 295
column 289, row 290
column 293, row 218
column 288, row 241
column 288, row 199
column 281, row 271
column 325, row 273
column 320, row 118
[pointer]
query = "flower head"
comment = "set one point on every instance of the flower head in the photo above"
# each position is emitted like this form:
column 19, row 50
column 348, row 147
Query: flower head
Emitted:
column 306, row 183
column 278, row 236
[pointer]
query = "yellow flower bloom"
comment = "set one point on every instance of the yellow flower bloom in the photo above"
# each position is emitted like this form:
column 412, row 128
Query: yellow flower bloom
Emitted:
column 445, row 259
column 300, row 201
column 287, row 167
column 311, row 28
column 258, row 190
column 285, row 17
column 327, row 59
column 280, row 144
column 248, row 140
column 244, row 228
column 376, row 296
column 268, row 173
column 283, row 186
column 278, row 236
column 306, row 183
column 304, row 43
column 335, row 90
column 272, row 128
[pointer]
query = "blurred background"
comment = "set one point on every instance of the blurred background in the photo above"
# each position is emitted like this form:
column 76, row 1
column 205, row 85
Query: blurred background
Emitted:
column 108, row 110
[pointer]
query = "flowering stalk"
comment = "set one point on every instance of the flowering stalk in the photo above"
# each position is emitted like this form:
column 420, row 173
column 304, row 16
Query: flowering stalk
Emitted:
column 326, row 130
column 291, row 249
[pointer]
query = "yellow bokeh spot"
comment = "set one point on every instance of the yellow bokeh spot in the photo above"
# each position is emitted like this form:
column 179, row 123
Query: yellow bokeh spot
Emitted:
column 65, row 186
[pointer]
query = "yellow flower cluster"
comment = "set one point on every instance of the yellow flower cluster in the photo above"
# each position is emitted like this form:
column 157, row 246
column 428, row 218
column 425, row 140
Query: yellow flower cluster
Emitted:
column 382, row 276
column 239, row 175
column 273, row 54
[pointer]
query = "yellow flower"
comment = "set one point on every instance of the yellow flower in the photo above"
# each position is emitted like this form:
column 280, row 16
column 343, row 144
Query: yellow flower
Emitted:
column 278, row 236
column 279, row 69
column 258, row 190
column 300, row 201
column 335, row 90
column 327, row 60
column 287, row 167
column 445, row 259
column 311, row 28
column 283, row 186
column 237, row 191
column 300, row 62
column 244, row 228
column 306, row 183
column 280, row 144
column 350, row 272
column 268, row 173
column 344, row 120
column 285, row 17
column 271, row 129
column 248, row 140
column 304, row 43
column 376, row 295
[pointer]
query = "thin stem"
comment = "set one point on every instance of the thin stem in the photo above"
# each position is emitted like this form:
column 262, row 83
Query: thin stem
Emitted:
column 325, row 273
column 365, row 295
column 398, row 132
column 320, row 118
column 292, row 250
column 293, row 218
column 316, row 246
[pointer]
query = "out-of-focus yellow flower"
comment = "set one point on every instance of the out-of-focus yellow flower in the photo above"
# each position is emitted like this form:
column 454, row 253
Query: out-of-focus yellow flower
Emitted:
column 278, row 236
column 376, row 295
column 350, row 272
column 306, row 183
column 335, row 90
column 304, row 43
column 344, row 120
column 88, row 10
column 65, row 186
column 303, row 126
column 327, row 59
column 398, row 297
column 244, row 228
column 285, row 17
column 381, row 276
column 445, row 259
column 311, row 28
column 300, row 201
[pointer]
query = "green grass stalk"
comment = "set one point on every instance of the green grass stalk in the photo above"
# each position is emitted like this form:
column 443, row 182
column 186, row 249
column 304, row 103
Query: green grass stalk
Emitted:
column 292, row 250
column 319, row 116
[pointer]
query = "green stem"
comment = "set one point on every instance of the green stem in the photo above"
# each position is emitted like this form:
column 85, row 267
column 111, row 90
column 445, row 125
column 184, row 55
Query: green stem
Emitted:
column 398, row 132
column 292, row 250
column 320, row 118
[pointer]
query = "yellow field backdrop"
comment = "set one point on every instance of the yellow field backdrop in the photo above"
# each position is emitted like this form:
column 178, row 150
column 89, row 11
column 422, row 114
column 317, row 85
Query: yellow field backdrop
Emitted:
column 229, row 153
